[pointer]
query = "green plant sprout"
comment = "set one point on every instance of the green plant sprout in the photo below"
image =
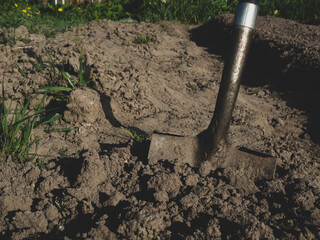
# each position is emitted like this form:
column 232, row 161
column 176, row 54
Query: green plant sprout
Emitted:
column 142, row 40
column 62, row 208
column 9, row 37
column 58, row 77
column 41, row 163
column 134, row 135
column 194, row 86
column 40, row 66
column 24, row 74
column 17, row 124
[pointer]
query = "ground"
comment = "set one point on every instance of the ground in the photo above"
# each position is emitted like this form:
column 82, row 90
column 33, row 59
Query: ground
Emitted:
column 97, row 182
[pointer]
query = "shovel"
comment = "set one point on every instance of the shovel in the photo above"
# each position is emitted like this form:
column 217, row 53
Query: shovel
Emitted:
column 213, row 144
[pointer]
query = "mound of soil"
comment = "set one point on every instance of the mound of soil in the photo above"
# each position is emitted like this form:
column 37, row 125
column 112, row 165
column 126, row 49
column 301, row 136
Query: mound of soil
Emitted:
column 97, row 182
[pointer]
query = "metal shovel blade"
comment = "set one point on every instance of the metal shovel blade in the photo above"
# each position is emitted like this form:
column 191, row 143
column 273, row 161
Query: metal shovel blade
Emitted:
column 187, row 150
column 172, row 147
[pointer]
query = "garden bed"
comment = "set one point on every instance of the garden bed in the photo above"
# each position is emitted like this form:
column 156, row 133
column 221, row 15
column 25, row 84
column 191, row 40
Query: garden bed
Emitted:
column 92, row 179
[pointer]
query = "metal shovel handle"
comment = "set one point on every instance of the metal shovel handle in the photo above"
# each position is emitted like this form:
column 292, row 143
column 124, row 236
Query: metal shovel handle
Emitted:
column 243, row 28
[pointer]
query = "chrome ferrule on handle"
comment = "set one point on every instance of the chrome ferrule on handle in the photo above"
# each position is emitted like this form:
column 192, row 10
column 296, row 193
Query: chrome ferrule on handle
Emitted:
column 246, row 14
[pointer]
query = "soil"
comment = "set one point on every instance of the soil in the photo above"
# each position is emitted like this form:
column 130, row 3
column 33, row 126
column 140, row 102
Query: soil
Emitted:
column 97, row 182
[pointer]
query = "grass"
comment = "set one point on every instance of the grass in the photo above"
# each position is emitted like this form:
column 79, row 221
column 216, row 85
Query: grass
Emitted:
column 8, row 37
column 61, row 206
column 17, row 124
column 138, row 137
column 58, row 79
column 52, row 19
column 142, row 40
column 186, row 11
column 49, row 20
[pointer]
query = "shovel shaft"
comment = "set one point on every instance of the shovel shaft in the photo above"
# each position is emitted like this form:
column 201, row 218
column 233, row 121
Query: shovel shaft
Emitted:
column 243, row 27
column 211, row 145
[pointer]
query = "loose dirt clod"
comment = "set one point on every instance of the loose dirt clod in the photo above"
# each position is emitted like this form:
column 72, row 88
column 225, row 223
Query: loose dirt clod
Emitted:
column 96, row 182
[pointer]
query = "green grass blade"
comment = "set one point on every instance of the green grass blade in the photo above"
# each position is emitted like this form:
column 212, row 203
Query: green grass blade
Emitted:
column 80, row 74
column 21, row 71
column 50, row 120
column 36, row 66
column 56, row 88
column 60, row 130
column 68, row 78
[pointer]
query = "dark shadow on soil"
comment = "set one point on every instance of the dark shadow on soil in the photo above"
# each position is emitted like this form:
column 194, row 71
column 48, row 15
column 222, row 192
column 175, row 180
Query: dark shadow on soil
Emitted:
column 117, row 215
column 298, row 85
column 283, row 203
column 229, row 229
column 141, row 150
column 70, row 167
column 85, row 221
column 56, row 106
column 106, row 106
column 108, row 147
column 179, row 230
column 145, row 194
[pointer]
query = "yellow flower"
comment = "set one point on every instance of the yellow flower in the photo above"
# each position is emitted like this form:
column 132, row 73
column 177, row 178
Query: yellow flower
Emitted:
column 24, row 11
column 28, row 15
column 29, row 8
column 60, row 9
column 275, row 12
column 16, row 5
column 38, row 13
column 164, row 1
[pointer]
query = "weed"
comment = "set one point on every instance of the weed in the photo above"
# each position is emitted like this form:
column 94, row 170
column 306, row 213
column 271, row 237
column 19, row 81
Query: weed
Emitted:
column 62, row 208
column 173, row 35
column 49, row 20
column 56, row 88
column 83, row 79
column 57, row 78
column 63, row 151
column 187, row 11
column 24, row 74
column 142, row 40
column 8, row 37
column 142, row 236
column 61, row 77
column 17, row 124
column 164, row 27
column 194, row 86
column 41, row 164
column 138, row 137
